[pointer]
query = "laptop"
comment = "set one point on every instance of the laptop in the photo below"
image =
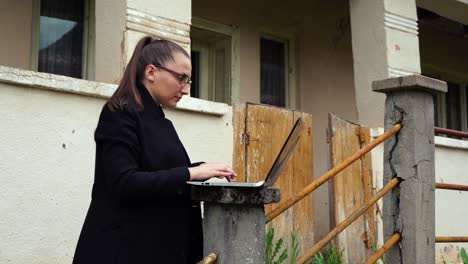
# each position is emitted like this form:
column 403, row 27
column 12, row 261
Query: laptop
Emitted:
column 275, row 169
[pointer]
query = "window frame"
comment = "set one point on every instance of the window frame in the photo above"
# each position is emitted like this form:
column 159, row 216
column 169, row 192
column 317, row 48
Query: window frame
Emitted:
column 89, row 36
column 289, row 41
column 458, row 78
column 234, row 75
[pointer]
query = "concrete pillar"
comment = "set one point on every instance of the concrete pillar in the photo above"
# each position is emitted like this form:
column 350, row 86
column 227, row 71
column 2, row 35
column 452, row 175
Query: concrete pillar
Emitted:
column 385, row 44
column 409, row 155
column 234, row 222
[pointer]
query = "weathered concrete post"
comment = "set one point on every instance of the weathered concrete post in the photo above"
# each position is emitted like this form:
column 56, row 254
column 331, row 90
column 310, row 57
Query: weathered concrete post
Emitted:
column 409, row 155
column 234, row 222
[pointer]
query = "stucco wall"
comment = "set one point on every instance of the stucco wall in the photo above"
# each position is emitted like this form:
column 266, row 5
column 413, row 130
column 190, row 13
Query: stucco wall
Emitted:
column 324, row 69
column 451, row 206
column 47, row 158
column 326, row 86
column 15, row 25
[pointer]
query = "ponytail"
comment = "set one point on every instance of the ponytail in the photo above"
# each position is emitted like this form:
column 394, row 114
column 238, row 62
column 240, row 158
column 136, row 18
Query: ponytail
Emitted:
column 127, row 90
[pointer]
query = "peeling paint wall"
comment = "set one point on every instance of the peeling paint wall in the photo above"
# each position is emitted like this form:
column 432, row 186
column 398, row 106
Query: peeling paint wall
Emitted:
column 47, row 166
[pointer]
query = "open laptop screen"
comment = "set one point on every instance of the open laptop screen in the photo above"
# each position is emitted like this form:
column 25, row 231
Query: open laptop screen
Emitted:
column 285, row 152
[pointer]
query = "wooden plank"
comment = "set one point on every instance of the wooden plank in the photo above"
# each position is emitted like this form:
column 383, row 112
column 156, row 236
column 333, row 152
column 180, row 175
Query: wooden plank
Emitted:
column 239, row 115
column 348, row 189
column 303, row 176
column 268, row 128
column 366, row 171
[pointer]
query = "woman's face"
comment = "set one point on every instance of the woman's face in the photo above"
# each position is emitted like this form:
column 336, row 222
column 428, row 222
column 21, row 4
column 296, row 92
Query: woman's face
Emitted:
column 167, row 84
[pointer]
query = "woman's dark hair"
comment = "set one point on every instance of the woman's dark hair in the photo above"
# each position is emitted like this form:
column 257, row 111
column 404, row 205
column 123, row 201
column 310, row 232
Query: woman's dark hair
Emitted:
column 147, row 51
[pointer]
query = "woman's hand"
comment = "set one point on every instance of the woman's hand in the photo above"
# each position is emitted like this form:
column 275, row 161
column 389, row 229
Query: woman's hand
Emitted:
column 212, row 169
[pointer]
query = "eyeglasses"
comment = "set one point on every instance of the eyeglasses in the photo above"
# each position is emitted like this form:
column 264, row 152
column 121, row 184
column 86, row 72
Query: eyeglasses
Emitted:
column 184, row 79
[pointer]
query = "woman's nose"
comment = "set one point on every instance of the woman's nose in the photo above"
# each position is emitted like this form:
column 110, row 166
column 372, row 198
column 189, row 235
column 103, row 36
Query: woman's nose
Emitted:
column 186, row 89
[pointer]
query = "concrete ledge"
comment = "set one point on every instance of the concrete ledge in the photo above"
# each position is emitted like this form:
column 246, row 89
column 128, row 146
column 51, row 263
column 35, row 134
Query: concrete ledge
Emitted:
column 410, row 82
column 235, row 195
column 202, row 106
column 451, row 143
column 66, row 84
column 55, row 82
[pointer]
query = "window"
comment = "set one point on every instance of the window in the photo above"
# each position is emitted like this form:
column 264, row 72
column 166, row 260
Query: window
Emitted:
column 453, row 106
column 272, row 72
column 212, row 62
column 61, row 37
column 450, row 109
column 443, row 60
column 276, row 71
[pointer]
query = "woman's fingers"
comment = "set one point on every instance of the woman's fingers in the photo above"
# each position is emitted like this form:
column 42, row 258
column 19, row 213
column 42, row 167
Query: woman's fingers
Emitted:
column 216, row 169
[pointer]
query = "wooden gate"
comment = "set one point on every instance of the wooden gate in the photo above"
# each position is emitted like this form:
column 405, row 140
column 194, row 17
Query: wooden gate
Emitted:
column 351, row 188
column 259, row 133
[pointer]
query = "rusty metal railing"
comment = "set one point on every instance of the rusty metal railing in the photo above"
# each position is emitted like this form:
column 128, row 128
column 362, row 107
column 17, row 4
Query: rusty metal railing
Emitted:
column 396, row 237
column 448, row 186
column 349, row 220
column 451, row 132
column 330, row 174
column 379, row 253
column 451, row 239
column 210, row 259
column 455, row 187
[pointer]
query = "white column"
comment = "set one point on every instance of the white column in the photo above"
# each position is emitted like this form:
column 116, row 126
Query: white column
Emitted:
column 167, row 19
column 385, row 44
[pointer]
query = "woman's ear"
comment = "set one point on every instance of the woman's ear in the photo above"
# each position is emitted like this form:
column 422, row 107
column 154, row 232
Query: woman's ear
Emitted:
column 150, row 72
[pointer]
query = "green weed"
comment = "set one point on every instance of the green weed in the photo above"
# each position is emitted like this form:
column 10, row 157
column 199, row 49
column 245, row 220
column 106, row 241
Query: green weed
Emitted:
column 270, row 254
column 463, row 255
column 332, row 256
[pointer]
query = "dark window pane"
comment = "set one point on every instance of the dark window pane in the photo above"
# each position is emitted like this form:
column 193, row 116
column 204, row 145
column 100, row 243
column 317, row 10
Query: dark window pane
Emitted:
column 436, row 111
column 195, row 87
column 272, row 72
column 453, row 107
column 61, row 37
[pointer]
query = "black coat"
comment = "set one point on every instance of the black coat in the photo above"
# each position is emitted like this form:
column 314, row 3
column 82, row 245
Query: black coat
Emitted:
column 140, row 210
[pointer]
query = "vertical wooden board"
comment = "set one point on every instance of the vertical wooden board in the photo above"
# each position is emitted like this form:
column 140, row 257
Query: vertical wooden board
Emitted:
column 303, row 176
column 366, row 169
column 268, row 128
column 348, row 190
column 238, row 159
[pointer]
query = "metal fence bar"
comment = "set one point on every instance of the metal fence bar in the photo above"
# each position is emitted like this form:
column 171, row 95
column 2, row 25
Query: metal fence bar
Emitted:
column 448, row 186
column 330, row 174
column 349, row 220
column 379, row 253
column 451, row 239
column 210, row 259
column 450, row 132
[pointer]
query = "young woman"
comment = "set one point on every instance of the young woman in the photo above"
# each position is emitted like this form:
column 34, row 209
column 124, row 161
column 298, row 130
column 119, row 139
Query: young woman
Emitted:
column 141, row 210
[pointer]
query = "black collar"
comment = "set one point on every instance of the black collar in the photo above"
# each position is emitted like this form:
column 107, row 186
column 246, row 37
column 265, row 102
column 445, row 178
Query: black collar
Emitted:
column 148, row 102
